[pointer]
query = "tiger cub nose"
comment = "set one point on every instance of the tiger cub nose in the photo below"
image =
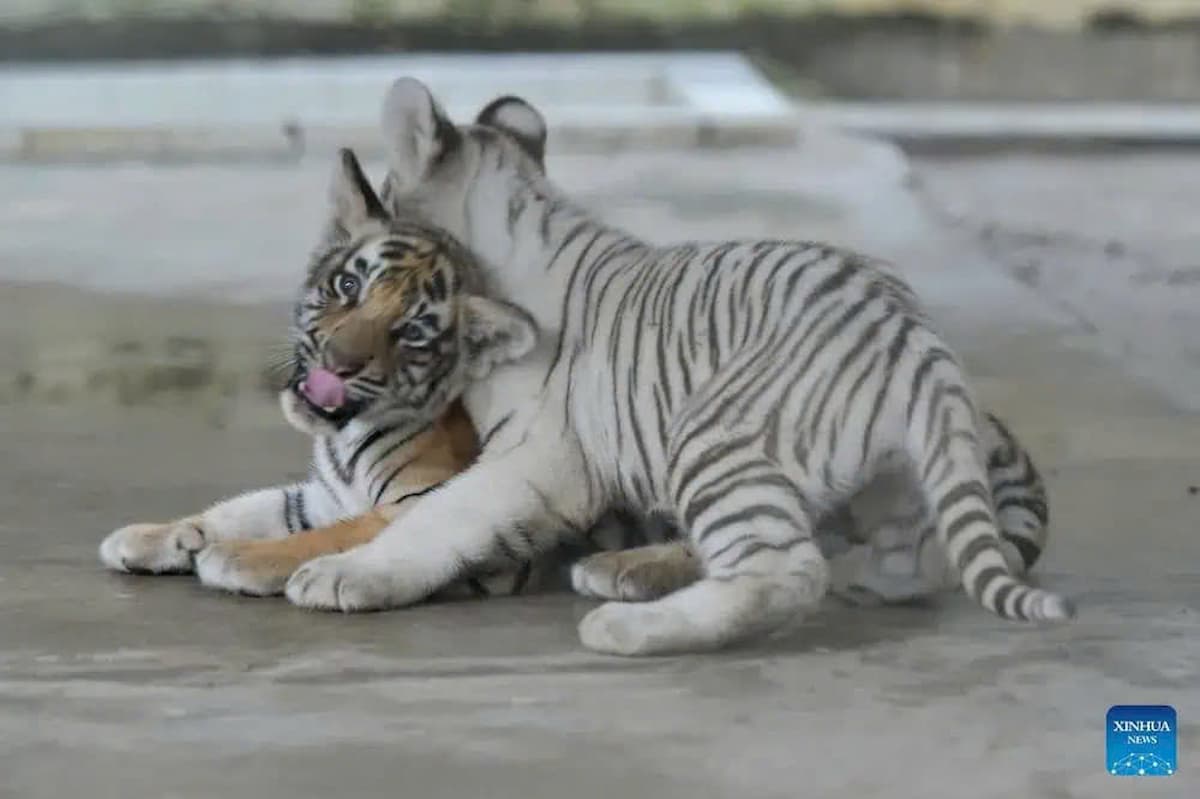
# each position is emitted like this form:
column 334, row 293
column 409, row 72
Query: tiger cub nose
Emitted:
column 344, row 364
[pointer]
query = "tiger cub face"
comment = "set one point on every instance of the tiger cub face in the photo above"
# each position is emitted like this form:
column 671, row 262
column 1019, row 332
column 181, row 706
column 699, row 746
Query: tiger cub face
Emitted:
column 388, row 325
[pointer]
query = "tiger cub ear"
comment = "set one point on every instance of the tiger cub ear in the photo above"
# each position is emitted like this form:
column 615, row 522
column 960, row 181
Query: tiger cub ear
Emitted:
column 416, row 131
column 520, row 120
column 495, row 332
column 354, row 201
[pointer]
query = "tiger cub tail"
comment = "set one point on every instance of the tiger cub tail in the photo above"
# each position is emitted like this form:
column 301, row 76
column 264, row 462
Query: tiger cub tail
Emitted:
column 945, row 445
column 1019, row 495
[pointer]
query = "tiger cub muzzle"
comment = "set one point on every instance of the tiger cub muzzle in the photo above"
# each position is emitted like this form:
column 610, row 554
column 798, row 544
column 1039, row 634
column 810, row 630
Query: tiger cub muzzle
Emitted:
column 350, row 371
column 323, row 394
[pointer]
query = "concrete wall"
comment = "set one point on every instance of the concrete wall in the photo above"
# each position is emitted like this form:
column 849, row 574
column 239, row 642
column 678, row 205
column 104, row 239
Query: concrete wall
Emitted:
column 1055, row 13
column 861, row 53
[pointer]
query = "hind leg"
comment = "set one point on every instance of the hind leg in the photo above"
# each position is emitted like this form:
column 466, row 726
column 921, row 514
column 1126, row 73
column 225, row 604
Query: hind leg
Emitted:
column 751, row 530
column 894, row 568
column 899, row 559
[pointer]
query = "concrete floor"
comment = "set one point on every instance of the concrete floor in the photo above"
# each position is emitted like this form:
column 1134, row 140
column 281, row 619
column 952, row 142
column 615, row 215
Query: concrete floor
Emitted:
column 122, row 686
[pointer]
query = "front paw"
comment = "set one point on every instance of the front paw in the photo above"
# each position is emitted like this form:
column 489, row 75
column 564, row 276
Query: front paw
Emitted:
column 153, row 548
column 245, row 567
column 346, row 582
column 642, row 574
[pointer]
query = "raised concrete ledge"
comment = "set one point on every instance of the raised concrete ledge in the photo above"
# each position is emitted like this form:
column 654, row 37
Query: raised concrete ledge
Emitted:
column 286, row 108
column 1063, row 123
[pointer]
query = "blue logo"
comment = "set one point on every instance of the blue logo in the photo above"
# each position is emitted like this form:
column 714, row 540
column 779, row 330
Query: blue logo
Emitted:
column 1141, row 741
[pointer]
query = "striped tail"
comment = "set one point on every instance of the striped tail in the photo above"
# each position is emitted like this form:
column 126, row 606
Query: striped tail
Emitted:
column 945, row 447
column 1019, row 494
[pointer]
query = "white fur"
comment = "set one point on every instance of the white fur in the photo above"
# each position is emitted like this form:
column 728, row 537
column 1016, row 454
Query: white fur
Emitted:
column 556, row 456
column 407, row 563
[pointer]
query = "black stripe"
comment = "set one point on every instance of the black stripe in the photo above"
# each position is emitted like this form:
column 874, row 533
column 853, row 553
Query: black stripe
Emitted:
column 496, row 428
column 731, row 473
column 592, row 301
column 632, row 384
column 1003, row 457
column 714, row 348
column 974, row 549
column 570, row 381
column 755, row 546
column 593, row 304
column 1034, row 505
column 1002, row 595
column 936, row 402
column 568, row 296
column 942, row 449
column 963, row 522
column 744, row 515
column 1031, row 599
column 819, row 347
column 320, row 478
column 852, row 393
column 868, row 336
column 414, row 494
column 983, row 579
column 387, row 481
column 712, row 262
column 709, row 456
column 768, row 290
column 970, row 488
column 764, row 248
column 338, row 469
column 803, row 433
column 567, row 239
column 389, row 450
column 287, row 510
column 522, row 578
column 1023, row 483
column 664, row 320
column 526, row 536
column 549, row 208
column 507, row 551
column 700, row 503
column 895, row 350
column 638, row 438
column 301, row 510
column 685, row 371
column 846, row 268
column 920, row 374
column 1028, row 550
column 660, row 415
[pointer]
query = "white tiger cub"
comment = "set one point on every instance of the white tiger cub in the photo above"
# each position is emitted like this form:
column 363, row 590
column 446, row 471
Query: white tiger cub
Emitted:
column 743, row 388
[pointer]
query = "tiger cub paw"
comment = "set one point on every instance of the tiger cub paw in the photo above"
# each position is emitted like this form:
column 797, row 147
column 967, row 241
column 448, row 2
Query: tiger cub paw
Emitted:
column 635, row 575
column 153, row 548
column 255, row 568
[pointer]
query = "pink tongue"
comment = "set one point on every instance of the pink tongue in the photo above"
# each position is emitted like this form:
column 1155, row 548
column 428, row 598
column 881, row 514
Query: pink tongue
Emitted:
column 325, row 389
